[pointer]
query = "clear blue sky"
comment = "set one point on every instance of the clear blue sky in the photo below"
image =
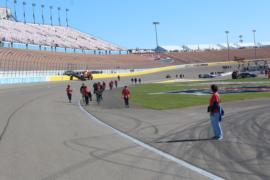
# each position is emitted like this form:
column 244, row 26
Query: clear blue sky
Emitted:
column 129, row 22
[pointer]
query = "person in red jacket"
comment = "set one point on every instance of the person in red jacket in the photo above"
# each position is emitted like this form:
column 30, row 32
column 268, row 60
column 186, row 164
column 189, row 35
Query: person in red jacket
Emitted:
column 86, row 95
column 215, row 114
column 103, row 85
column 126, row 96
column 69, row 93
column 111, row 85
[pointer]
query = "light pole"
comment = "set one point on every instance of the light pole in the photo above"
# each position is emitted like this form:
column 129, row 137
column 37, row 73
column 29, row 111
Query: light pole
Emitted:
column 15, row 2
column 7, row 10
column 34, row 18
column 255, row 46
column 67, row 17
column 155, row 24
column 24, row 3
column 51, row 7
column 228, row 45
column 59, row 20
column 42, row 13
column 241, row 38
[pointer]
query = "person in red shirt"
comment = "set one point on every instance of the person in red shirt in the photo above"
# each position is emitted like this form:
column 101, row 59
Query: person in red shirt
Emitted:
column 111, row 85
column 86, row 95
column 215, row 112
column 126, row 96
column 69, row 93
column 103, row 85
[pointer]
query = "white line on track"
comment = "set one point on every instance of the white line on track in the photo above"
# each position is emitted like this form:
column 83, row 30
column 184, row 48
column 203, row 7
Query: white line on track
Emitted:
column 153, row 149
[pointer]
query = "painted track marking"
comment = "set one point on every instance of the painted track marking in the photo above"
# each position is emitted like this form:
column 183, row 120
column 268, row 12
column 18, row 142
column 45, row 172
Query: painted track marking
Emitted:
column 153, row 149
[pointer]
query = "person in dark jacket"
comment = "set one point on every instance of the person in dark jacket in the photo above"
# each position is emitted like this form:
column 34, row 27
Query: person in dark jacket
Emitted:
column 95, row 85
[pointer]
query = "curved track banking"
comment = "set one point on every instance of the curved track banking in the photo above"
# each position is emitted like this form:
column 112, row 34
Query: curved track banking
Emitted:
column 186, row 134
column 44, row 137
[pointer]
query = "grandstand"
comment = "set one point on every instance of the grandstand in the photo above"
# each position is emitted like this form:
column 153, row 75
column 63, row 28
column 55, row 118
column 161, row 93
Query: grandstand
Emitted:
column 29, row 60
column 51, row 36
column 19, row 59
column 54, row 38
column 210, row 47
column 216, row 56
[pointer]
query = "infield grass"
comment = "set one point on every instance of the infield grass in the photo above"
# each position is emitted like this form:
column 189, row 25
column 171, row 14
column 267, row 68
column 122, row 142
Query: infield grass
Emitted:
column 142, row 94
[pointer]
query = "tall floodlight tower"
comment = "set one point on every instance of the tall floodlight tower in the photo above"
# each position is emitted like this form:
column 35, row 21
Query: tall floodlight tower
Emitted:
column 59, row 19
column 155, row 24
column 51, row 8
column 33, row 8
column 255, row 45
column 241, row 38
column 42, row 13
column 15, row 13
column 7, row 9
column 24, row 18
column 228, row 45
column 67, row 10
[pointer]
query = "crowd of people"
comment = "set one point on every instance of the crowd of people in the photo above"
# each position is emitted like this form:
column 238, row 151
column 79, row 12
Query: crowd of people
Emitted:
column 136, row 80
column 215, row 109
column 98, row 89
column 180, row 76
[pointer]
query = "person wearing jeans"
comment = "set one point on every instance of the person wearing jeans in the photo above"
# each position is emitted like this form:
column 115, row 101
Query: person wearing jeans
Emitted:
column 215, row 113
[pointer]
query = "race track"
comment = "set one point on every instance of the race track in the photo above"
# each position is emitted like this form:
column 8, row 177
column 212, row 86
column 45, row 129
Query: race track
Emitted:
column 44, row 137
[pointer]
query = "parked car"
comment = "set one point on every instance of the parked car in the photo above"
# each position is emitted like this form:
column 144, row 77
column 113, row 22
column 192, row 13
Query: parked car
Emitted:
column 235, row 75
column 69, row 73
column 247, row 75
column 207, row 76
column 168, row 76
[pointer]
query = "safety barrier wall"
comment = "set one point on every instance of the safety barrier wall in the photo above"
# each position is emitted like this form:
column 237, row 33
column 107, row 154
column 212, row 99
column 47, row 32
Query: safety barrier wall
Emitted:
column 20, row 80
column 30, row 77
column 43, row 76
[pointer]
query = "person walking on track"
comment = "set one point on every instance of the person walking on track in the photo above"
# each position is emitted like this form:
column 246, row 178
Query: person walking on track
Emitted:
column 86, row 95
column 216, row 112
column 126, row 96
column 82, row 92
column 69, row 93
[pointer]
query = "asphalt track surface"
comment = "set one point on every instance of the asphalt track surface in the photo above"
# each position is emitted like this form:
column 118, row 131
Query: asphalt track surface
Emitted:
column 44, row 137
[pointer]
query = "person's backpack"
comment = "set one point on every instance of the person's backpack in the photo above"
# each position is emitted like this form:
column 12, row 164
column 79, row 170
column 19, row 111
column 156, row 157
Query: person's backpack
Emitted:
column 221, row 111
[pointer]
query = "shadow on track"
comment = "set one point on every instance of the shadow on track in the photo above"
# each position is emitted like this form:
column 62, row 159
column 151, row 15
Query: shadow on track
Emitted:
column 186, row 140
